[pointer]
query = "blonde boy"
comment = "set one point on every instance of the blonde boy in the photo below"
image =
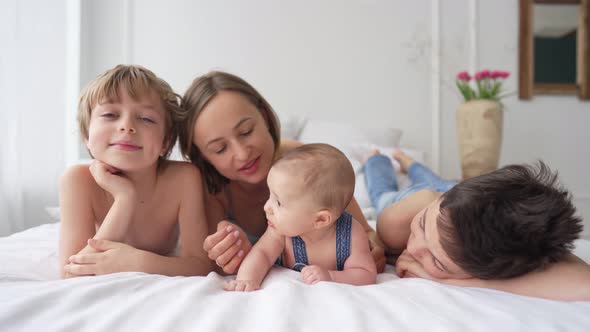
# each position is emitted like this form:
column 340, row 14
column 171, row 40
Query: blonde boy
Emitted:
column 126, row 210
column 309, row 230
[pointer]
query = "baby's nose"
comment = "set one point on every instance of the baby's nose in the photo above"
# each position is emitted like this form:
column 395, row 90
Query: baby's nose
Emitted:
column 267, row 208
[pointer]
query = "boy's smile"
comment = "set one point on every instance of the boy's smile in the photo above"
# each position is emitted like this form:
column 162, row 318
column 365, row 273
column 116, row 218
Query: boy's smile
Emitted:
column 127, row 134
column 126, row 146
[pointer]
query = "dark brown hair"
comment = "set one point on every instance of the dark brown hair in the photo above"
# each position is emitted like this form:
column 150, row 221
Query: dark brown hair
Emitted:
column 202, row 90
column 508, row 222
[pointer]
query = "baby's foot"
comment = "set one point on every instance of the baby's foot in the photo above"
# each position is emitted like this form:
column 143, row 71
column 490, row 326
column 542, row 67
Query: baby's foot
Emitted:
column 404, row 160
column 370, row 154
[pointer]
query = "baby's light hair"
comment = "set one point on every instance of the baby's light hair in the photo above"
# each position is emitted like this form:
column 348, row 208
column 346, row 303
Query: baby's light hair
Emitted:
column 327, row 174
column 138, row 82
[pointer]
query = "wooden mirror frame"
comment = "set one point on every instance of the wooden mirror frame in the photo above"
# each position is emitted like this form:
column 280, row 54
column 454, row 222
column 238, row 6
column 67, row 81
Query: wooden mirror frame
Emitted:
column 526, row 85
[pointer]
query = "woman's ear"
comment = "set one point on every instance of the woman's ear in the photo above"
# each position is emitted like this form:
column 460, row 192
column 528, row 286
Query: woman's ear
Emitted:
column 323, row 219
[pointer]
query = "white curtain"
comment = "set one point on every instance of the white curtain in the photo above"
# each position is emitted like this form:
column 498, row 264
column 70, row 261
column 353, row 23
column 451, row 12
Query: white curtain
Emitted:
column 11, row 193
column 32, row 47
column 11, row 182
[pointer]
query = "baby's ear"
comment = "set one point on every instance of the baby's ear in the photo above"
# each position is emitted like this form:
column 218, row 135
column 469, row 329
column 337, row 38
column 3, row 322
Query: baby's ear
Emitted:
column 323, row 219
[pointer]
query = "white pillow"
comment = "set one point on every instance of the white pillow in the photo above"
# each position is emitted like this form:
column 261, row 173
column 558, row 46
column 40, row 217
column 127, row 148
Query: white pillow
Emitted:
column 345, row 137
column 291, row 125
column 53, row 212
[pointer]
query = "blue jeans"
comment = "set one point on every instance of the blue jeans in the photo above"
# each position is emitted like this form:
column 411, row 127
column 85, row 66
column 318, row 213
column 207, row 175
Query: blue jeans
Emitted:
column 383, row 188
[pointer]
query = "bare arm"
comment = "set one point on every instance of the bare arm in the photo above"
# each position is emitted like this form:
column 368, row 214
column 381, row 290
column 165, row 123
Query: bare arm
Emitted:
column 393, row 225
column 258, row 262
column 77, row 215
column 76, row 190
column 223, row 245
column 359, row 268
column 568, row 280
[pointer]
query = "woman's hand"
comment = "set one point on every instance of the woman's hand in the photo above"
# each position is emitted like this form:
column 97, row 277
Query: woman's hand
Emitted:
column 377, row 251
column 106, row 257
column 227, row 247
column 111, row 179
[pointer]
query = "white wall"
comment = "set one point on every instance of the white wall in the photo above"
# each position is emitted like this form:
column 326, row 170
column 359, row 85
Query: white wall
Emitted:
column 362, row 62
column 315, row 57
column 552, row 128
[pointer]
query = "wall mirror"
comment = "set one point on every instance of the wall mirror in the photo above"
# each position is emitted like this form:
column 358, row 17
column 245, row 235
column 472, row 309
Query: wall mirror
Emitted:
column 554, row 48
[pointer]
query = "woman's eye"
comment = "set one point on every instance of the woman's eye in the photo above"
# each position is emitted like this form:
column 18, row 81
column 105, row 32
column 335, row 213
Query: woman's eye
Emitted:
column 220, row 150
column 108, row 115
column 421, row 223
column 278, row 203
column 247, row 133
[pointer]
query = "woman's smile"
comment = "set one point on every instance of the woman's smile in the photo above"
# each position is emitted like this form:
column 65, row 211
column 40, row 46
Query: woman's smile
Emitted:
column 251, row 167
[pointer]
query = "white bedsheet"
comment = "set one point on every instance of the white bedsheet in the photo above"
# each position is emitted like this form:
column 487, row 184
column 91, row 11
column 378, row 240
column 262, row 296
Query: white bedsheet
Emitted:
column 33, row 299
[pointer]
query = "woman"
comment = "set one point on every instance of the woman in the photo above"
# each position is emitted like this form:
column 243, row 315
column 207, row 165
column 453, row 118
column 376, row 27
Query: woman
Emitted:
column 232, row 134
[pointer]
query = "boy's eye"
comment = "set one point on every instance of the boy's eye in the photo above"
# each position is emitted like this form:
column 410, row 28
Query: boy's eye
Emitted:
column 146, row 119
column 108, row 115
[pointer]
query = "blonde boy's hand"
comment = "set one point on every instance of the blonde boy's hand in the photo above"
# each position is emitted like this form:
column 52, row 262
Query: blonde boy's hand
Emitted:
column 105, row 257
column 110, row 179
column 313, row 274
column 241, row 286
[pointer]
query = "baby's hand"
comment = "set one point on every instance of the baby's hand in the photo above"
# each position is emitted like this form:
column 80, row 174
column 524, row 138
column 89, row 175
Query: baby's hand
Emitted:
column 241, row 286
column 312, row 274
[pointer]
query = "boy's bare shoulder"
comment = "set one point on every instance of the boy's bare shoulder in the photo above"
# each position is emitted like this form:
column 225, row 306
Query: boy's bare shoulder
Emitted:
column 77, row 175
column 180, row 171
column 77, row 181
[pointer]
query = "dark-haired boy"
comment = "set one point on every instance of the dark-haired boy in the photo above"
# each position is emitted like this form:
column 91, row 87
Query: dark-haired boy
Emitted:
column 511, row 229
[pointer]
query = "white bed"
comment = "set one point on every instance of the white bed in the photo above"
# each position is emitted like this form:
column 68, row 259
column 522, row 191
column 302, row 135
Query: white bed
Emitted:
column 32, row 298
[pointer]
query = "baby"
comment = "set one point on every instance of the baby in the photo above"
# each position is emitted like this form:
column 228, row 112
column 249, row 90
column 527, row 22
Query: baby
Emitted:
column 308, row 229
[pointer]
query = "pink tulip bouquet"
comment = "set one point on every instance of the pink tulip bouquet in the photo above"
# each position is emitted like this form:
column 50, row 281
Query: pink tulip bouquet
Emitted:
column 488, row 84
